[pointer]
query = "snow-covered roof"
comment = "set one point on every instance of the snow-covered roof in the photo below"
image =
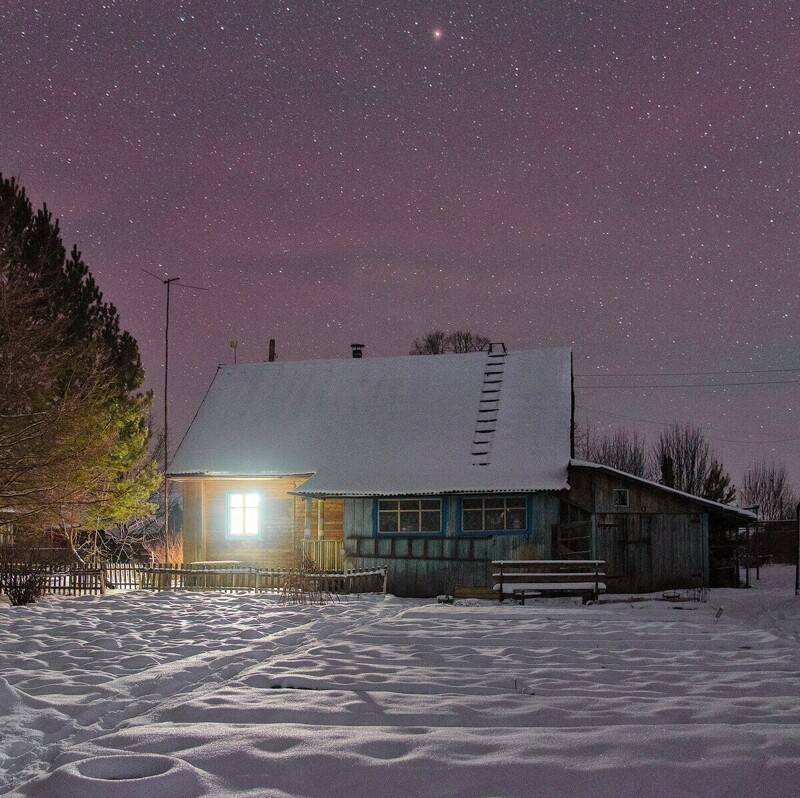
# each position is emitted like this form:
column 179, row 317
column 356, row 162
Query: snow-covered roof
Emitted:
column 385, row 426
column 728, row 508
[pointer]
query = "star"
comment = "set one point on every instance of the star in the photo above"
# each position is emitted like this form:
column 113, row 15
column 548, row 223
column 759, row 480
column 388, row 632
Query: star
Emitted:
column 437, row 34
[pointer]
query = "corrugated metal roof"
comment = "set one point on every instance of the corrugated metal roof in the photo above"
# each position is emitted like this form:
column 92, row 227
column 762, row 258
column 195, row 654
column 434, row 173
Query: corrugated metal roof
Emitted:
column 378, row 426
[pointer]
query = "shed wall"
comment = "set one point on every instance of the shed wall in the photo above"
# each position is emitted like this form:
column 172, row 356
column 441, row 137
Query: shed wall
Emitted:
column 658, row 542
column 647, row 552
column 593, row 489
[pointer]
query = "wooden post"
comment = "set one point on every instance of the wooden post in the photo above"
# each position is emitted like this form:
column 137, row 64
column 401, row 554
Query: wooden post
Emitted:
column 308, row 518
column 102, row 579
column 501, row 582
column 321, row 519
column 797, row 562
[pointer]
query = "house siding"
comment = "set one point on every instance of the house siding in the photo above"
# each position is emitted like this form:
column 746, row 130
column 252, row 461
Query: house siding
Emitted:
column 430, row 565
column 282, row 521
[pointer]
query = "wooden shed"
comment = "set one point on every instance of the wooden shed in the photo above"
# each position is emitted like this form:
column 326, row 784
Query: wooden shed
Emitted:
column 651, row 536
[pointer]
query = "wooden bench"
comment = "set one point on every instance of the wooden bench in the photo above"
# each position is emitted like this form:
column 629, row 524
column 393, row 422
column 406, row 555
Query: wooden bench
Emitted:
column 521, row 579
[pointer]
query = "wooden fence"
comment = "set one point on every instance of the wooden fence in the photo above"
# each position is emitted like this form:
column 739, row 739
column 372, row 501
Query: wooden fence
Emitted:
column 75, row 580
column 72, row 580
column 233, row 579
column 327, row 554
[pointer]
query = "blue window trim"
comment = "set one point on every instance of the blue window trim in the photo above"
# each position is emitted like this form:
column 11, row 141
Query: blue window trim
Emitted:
column 443, row 503
column 490, row 533
column 238, row 538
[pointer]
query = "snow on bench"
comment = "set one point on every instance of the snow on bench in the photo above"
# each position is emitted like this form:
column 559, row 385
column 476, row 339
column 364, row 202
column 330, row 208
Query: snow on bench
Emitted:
column 521, row 579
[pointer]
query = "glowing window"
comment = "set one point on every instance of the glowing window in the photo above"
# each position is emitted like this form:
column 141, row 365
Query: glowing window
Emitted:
column 243, row 515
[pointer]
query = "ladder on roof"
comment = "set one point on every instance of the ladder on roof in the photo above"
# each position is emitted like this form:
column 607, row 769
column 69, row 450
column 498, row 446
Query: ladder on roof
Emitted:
column 489, row 404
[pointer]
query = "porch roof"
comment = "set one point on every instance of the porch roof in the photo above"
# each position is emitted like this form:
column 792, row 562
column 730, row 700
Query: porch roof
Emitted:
column 384, row 426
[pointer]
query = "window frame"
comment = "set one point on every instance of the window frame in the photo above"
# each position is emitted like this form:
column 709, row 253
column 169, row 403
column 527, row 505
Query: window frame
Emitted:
column 615, row 492
column 244, row 536
column 413, row 535
column 487, row 533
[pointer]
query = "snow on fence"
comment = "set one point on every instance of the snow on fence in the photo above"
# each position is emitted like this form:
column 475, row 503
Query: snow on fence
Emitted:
column 237, row 578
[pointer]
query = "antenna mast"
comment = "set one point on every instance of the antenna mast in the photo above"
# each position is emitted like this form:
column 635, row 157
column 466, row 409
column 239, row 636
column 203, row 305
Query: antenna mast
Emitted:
column 168, row 281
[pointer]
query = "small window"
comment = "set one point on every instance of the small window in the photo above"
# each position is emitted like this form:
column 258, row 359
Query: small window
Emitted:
column 494, row 514
column 6, row 535
column 400, row 516
column 619, row 497
column 243, row 515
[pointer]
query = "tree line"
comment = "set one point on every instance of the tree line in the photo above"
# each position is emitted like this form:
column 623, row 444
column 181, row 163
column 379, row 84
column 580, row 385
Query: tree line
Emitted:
column 681, row 457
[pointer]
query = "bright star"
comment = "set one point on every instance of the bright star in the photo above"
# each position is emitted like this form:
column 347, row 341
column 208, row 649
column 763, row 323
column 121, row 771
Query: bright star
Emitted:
column 438, row 33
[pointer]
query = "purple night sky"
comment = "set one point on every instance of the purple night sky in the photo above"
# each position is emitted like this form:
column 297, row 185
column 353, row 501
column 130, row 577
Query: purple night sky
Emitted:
column 618, row 177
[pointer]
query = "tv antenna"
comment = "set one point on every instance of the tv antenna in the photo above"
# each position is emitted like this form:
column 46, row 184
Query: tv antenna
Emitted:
column 168, row 281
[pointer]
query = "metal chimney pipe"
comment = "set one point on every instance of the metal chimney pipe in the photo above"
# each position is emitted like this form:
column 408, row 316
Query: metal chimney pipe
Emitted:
column 358, row 350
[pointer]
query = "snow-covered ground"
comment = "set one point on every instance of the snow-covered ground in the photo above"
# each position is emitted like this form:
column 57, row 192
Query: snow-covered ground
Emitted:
column 221, row 695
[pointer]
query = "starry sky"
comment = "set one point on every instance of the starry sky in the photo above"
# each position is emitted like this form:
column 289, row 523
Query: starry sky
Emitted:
column 618, row 177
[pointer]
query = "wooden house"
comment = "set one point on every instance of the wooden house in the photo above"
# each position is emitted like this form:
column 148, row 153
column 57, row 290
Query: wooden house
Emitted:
column 432, row 466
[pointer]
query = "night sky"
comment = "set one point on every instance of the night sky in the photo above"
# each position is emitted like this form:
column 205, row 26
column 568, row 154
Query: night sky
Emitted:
column 618, row 177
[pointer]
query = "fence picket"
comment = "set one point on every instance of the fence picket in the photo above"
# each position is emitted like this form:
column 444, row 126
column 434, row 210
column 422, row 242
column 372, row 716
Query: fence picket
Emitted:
column 75, row 580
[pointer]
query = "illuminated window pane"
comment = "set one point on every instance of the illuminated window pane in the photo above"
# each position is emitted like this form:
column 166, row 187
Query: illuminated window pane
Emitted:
column 243, row 517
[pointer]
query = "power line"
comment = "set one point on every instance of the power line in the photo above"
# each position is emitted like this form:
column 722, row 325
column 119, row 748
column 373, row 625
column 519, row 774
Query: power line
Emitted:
column 688, row 384
column 667, row 424
column 621, row 417
column 686, row 373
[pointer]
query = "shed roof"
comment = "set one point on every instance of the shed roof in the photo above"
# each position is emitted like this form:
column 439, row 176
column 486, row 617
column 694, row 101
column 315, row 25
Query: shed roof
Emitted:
column 384, row 426
column 725, row 509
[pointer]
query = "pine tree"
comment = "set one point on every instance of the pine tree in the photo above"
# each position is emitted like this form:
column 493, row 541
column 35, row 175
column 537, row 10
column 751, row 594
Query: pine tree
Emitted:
column 73, row 422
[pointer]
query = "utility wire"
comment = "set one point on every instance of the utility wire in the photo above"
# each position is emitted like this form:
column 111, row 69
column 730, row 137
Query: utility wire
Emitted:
column 685, row 373
column 667, row 424
column 687, row 384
